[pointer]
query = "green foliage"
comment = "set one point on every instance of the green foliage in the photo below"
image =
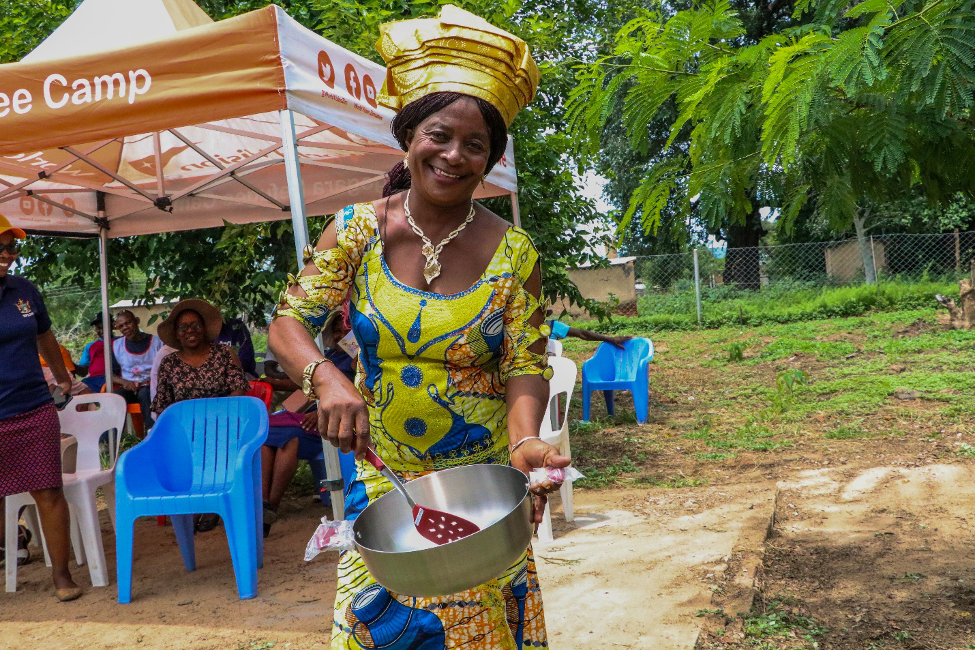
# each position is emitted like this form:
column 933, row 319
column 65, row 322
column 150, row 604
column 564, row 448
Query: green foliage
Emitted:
column 735, row 351
column 777, row 621
column 843, row 105
column 25, row 23
column 723, row 307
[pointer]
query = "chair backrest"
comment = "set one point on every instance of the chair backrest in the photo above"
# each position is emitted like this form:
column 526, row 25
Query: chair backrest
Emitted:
column 615, row 363
column 263, row 391
column 107, row 414
column 197, row 442
column 561, row 383
column 554, row 347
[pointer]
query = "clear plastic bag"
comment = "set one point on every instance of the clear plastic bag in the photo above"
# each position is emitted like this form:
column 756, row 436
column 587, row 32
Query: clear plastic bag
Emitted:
column 337, row 535
column 548, row 479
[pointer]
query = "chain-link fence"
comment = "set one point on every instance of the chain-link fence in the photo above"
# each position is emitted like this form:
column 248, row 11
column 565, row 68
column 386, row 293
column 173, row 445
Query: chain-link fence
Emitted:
column 690, row 282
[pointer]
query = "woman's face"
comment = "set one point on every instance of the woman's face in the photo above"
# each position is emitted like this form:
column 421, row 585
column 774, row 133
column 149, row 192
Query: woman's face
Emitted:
column 7, row 258
column 190, row 330
column 448, row 153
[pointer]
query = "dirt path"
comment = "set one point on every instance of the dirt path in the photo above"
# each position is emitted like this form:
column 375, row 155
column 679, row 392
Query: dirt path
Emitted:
column 857, row 549
column 869, row 557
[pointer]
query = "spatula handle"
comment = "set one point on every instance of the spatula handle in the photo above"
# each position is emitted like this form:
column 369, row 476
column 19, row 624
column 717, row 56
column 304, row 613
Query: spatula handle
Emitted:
column 374, row 460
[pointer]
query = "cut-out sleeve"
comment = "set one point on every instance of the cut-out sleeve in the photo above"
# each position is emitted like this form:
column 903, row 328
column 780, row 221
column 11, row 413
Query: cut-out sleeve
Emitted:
column 520, row 334
column 326, row 290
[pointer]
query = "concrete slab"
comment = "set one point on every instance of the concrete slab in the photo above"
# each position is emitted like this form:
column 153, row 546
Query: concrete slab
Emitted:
column 635, row 576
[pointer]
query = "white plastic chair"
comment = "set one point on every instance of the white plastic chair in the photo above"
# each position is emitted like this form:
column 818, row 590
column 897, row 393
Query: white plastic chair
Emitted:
column 79, row 488
column 562, row 383
column 554, row 348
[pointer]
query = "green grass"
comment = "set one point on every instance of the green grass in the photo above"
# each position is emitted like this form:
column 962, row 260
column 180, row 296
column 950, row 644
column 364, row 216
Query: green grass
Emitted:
column 751, row 436
column 800, row 387
column 848, row 432
column 726, row 307
column 777, row 622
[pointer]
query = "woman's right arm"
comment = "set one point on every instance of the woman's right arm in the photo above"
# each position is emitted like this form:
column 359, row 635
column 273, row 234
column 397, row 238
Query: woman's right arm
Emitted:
column 321, row 287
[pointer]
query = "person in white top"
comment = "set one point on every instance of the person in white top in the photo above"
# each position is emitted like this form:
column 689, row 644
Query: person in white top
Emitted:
column 135, row 351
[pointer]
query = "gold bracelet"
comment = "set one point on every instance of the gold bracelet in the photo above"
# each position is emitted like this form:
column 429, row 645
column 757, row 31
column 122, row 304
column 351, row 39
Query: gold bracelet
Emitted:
column 307, row 386
column 516, row 446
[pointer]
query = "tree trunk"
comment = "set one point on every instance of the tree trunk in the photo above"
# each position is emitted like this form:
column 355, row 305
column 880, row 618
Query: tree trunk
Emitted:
column 743, row 253
column 865, row 245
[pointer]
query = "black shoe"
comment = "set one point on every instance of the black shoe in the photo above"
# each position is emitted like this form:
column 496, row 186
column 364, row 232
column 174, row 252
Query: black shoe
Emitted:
column 207, row 522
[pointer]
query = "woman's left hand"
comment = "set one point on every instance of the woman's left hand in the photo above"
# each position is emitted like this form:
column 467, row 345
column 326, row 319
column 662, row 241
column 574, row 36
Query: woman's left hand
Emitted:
column 65, row 386
column 533, row 454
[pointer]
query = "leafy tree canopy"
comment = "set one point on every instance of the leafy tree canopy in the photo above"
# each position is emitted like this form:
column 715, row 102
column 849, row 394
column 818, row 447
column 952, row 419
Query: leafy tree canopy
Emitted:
column 837, row 106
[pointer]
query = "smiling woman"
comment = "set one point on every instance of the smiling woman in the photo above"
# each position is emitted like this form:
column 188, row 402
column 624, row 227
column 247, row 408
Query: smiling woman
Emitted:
column 199, row 368
column 444, row 304
column 30, row 430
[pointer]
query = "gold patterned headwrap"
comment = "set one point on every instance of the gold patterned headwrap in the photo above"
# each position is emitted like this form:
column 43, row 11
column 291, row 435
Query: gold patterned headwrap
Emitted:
column 456, row 52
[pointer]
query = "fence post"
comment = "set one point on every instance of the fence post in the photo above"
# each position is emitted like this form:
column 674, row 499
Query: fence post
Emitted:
column 698, row 294
column 956, row 247
column 875, row 266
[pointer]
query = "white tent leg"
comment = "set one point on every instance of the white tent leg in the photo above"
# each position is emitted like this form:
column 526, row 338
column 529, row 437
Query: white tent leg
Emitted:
column 103, row 268
column 515, row 208
column 296, row 199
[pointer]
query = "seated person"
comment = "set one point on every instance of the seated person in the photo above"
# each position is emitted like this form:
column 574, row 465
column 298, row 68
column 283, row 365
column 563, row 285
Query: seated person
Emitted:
column 77, row 388
column 236, row 334
column 164, row 352
column 275, row 376
column 135, row 351
column 92, row 362
column 294, row 433
column 559, row 330
column 199, row 367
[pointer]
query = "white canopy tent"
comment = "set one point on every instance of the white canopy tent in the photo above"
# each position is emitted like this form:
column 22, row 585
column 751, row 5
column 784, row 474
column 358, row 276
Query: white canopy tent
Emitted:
column 146, row 116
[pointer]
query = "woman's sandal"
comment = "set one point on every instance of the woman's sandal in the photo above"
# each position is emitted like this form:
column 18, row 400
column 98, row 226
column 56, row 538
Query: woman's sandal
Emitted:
column 68, row 594
column 23, row 540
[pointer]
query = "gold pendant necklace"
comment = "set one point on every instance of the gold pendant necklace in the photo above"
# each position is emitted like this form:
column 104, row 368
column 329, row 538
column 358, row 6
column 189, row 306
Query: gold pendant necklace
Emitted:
column 432, row 267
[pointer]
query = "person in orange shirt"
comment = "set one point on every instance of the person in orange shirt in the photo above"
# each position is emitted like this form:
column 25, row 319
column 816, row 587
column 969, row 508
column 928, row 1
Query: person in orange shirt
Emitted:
column 77, row 387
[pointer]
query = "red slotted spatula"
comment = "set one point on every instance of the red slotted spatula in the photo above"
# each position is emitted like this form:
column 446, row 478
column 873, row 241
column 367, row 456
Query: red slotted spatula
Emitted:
column 434, row 525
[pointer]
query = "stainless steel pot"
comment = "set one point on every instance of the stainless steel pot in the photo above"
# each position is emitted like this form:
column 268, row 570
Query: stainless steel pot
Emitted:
column 495, row 497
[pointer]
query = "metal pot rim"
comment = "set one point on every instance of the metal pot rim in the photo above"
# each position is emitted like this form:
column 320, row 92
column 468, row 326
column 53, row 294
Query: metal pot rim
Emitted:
column 459, row 541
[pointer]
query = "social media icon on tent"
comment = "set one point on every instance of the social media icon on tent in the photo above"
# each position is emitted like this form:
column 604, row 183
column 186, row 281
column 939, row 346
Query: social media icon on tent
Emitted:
column 369, row 91
column 326, row 72
column 353, row 81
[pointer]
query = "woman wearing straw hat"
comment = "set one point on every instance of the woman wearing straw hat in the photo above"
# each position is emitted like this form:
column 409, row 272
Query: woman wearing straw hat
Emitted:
column 30, row 432
column 445, row 307
column 199, row 368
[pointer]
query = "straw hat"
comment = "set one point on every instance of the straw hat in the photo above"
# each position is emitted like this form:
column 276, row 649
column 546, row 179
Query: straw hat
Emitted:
column 211, row 315
column 5, row 226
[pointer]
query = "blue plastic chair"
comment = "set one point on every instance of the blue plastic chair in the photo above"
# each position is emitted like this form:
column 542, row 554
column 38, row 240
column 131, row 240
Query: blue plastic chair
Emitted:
column 202, row 456
column 612, row 368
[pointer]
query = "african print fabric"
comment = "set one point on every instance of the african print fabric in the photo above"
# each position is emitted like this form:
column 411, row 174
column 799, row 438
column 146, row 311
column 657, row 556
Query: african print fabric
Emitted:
column 432, row 369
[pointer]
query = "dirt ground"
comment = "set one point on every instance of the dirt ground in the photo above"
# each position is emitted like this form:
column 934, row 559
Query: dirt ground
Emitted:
column 872, row 546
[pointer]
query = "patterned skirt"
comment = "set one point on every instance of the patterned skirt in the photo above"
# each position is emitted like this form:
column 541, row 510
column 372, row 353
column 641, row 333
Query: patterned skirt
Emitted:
column 503, row 614
column 30, row 451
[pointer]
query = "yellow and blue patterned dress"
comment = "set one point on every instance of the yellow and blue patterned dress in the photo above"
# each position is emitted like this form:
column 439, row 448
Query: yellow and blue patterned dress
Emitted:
column 432, row 369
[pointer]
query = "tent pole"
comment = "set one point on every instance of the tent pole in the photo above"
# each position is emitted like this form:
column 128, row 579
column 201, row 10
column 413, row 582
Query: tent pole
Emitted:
column 300, row 227
column 515, row 208
column 103, row 272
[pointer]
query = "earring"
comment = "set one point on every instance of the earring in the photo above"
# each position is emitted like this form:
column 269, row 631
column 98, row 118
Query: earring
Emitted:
column 406, row 159
column 484, row 176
